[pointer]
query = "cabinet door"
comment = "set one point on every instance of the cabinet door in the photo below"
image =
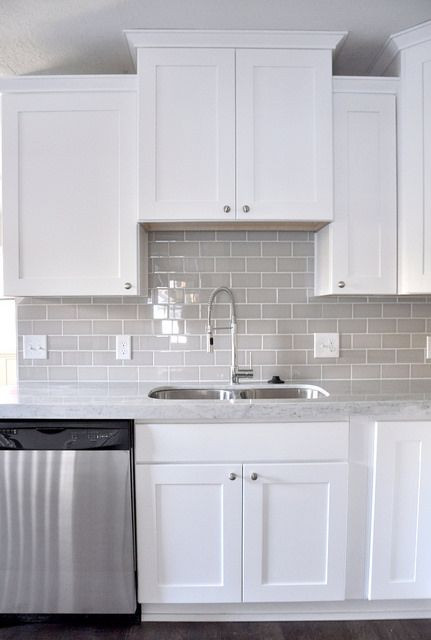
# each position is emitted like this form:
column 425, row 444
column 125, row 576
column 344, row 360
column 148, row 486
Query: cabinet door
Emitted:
column 401, row 520
column 187, row 134
column 284, row 135
column 189, row 533
column 414, row 126
column 357, row 252
column 295, row 523
column 69, row 193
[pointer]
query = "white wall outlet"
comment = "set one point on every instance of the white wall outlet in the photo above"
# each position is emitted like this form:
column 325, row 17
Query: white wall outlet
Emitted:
column 428, row 348
column 123, row 347
column 35, row 347
column 326, row 345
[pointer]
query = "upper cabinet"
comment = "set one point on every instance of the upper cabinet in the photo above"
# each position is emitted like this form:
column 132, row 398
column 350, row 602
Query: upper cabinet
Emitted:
column 409, row 54
column 70, row 187
column 357, row 252
column 235, row 125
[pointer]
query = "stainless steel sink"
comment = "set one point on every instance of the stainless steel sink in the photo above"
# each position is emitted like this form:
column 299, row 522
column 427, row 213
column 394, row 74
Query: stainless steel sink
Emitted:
column 285, row 391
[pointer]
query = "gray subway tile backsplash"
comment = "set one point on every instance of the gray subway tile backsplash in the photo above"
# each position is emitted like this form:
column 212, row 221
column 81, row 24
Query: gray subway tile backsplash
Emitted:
column 271, row 273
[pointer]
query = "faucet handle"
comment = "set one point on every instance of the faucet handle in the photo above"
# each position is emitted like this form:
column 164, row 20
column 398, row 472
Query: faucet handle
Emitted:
column 241, row 372
column 210, row 340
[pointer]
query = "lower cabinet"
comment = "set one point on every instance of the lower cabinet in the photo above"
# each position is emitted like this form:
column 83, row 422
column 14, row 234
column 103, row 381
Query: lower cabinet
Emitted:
column 189, row 532
column 295, row 532
column 400, row 563
column 232, row 532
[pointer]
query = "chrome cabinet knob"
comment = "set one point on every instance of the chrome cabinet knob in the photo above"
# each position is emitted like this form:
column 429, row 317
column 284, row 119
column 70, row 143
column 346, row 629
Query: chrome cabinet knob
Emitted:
column 246, row 208
column 128, row 285
column 226, row 208
column 341, row 284
column 232, row 476
column 253, row 476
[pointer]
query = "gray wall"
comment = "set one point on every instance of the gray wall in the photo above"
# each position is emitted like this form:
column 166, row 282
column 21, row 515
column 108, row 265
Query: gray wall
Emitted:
column 271, row 274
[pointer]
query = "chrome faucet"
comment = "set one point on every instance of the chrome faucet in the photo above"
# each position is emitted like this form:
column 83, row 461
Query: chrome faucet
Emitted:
column 236, row 372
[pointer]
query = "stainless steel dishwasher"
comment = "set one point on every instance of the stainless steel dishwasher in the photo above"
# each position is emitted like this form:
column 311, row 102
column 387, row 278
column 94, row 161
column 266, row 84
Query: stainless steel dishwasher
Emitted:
column 66, row 517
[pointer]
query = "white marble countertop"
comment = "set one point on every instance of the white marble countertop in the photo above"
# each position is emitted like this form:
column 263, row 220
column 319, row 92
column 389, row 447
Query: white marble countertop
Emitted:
column 130, row 400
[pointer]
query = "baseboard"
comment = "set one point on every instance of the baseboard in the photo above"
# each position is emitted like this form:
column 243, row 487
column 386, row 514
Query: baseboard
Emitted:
column 349, row 610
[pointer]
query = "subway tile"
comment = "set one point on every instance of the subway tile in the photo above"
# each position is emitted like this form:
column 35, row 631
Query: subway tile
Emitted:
column 118, row 374
column 303, row 280
column 278, row 280
column 291, row 326
column 381, row 355
column 246, row 248
column 246, row 280
column 382, row 326
column 208, row 249
column 292, row 264
column 184, row 249
column 108, row 327
column 199, row 265
column 77, row 358
column 249, row 311
column 92, row 311
column 367, row 310
column 234, row 235
column 397, row 310
column 47, row 327
column 60, row 374
column 263, row 236
column 303, row 248
column 261, row 327
column 410, row 355
column 122, row 311
column 62, row 312
column 106, row 358
column 31, row 312
column 62, row 343
column 421, row 310
column 306, row 372
column 322, row 326
column 413, row 325
column 92, row 374
column 277, row 249
column 421, row 370
column 213, row 280
column 200, row 235
column 169, row 358
column 360, row 371
column 293, row 236
column 261, row 295
column 368, row 341
column 292, row 295
column 176, row 374
column 229, row 264
column 277, row 310
column 33, row 373
column 395, row 370
column 141, row 357
column 262, row 265
column 337, row 310
column 396, row 340
column 292, row 356
column 136, row 327
column 158, row 374
column 336, row 372
column 307, row 310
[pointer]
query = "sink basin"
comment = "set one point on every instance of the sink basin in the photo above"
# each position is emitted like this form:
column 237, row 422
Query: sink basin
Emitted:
column 285, row 391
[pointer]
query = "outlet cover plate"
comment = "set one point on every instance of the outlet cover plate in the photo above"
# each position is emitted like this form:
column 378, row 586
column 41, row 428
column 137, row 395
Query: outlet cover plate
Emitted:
column 35, row 347
column 123, row 347
column 326, row 345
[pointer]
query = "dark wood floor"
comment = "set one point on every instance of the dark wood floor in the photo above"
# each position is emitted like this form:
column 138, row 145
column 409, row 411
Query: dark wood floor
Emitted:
column 382, row 630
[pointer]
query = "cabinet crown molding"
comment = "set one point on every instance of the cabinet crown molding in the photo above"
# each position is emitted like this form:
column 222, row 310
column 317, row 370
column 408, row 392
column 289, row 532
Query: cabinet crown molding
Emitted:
column 232, row 38
column 396, row 43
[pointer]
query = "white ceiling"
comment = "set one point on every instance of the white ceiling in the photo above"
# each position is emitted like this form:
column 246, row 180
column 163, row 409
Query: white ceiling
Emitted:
column 85, row 36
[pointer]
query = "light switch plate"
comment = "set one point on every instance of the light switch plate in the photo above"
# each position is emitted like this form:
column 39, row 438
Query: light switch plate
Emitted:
column 35, row 348
column 326, row 345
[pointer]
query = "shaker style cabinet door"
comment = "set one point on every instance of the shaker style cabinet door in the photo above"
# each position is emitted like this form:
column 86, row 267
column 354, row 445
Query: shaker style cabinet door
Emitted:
column 414, row 125
column 69, row 193
column 401, row 519
column 357, row 252
column 187, row 134
column 284, row 134
column 295, row 530
column 189, row 533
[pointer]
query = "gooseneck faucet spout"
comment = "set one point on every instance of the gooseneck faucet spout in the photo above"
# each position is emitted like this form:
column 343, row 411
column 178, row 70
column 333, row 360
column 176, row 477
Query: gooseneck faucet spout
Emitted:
column 236, row 372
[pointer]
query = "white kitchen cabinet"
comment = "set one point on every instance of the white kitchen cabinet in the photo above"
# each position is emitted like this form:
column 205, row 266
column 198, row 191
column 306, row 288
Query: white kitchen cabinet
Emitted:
column 284, row 134
column 69, row 188
column 187, row 134
column 189, row 533
column 235, row 125
column 295, row 531
column 414, row 175
column 209, row 530
column 357, row 252
column 400, row 564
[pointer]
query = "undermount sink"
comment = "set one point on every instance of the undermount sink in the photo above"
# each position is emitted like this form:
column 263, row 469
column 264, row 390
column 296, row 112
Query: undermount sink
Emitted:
column 285, row 391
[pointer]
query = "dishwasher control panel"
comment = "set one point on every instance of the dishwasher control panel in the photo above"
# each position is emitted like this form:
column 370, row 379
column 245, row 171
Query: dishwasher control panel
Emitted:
column 65, row 435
